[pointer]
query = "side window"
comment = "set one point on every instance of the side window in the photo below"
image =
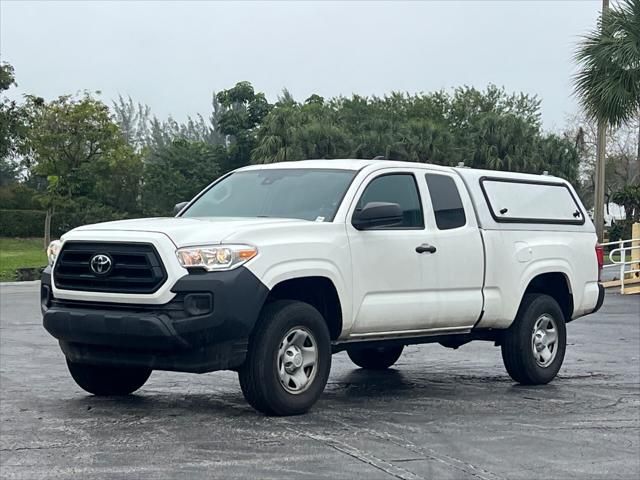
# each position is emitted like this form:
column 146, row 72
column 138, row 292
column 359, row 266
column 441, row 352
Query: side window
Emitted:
column 445, row 198
column 400, row 188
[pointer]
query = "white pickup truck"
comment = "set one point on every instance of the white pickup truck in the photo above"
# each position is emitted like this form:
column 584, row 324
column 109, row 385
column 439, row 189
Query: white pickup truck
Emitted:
column 272, row 268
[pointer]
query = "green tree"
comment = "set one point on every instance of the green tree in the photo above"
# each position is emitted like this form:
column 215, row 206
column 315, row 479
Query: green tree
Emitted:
column 242, row 111
column 608, row 82
column 12, row 129
column 134, row 121
column 629, row 198
column 143, row 131
column 318, row 139
column 77, row 147
column 177, row 172
column 278, row 138
column 485, row 129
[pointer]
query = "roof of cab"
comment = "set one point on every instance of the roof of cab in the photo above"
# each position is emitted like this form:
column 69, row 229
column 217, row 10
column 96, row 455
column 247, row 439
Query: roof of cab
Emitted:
column 342, row 164
column 359, row 164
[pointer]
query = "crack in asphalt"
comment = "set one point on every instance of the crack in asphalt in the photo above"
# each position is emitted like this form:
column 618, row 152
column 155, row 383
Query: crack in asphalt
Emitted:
column 45, row 447
column 429, row 453
column 387, row 465
column 362, row 456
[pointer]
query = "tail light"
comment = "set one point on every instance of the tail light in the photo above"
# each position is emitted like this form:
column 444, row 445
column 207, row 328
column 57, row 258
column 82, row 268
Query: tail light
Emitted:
column 600, row 257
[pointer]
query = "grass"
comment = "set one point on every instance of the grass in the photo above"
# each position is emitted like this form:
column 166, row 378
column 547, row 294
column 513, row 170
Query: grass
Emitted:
column 617, row 257
column 20, row 253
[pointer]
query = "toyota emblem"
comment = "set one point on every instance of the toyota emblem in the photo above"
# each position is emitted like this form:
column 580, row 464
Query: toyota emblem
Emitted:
column 101, row 264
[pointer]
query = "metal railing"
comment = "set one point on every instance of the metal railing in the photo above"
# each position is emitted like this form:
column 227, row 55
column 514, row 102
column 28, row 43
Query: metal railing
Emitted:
column 625, row 260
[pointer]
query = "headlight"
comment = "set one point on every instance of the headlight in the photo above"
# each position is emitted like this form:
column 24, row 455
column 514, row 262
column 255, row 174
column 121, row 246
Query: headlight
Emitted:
column 216, row 257
column 52, row 251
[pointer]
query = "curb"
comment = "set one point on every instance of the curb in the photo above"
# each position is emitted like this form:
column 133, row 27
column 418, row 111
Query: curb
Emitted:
column 15, row 284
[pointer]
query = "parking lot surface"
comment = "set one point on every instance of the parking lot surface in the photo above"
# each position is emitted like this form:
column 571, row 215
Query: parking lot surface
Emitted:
column 437, row 414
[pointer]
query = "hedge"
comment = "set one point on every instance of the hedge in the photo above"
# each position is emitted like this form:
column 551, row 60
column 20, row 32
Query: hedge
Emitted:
column 30, row 223
column 22, row 223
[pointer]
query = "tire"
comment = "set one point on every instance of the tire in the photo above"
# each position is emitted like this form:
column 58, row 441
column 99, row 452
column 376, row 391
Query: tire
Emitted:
column 375, row 358
column 523, row 350
column 107, row 381
column 273, row 378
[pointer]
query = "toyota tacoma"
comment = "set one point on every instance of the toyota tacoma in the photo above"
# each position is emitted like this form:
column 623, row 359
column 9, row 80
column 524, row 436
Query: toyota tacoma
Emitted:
column 273, row 268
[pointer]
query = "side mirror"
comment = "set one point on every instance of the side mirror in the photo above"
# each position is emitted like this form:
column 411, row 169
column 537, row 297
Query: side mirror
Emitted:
column 179, row 206
column 376, row 215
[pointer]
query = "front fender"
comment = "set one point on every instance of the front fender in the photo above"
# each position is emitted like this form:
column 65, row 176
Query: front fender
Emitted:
column 274, row 274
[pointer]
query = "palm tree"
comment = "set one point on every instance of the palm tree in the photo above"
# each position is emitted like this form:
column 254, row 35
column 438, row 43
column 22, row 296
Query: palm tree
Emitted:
column 608, row 82
column 277, row 141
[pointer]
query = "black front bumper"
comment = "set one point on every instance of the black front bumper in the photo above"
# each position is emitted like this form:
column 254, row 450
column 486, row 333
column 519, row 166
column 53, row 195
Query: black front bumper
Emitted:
column 204, row 328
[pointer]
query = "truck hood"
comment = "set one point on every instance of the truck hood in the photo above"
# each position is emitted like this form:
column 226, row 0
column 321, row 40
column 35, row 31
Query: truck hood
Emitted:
column 189, row 231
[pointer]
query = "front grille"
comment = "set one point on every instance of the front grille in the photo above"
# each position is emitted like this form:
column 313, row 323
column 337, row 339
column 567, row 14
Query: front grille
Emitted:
column 135, row 268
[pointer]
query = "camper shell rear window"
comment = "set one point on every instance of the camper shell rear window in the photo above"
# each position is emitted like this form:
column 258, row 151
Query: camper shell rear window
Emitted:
column 531, row 201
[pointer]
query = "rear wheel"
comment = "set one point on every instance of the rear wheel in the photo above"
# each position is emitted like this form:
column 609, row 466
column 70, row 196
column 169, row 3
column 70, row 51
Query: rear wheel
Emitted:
column 106, row 380
column 375, row 358
column 533, row 346
column 288, row 360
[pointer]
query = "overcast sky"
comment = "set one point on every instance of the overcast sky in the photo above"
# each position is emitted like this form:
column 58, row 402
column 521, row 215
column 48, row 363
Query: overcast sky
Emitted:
column 172, row 55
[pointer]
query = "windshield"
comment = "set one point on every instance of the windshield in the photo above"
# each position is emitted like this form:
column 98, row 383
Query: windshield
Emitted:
column 307, row 194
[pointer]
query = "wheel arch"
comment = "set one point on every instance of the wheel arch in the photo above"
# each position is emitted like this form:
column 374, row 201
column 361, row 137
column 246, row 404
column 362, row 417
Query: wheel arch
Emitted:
column 555, row 284
column 316, row 290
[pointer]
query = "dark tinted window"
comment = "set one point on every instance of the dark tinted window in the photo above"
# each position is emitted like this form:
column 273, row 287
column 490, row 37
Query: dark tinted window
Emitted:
column 308, row 194
column 445, row 198
column 396, row 188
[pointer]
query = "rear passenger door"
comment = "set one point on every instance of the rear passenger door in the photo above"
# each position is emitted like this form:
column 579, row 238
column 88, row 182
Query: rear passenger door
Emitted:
column 453, row 265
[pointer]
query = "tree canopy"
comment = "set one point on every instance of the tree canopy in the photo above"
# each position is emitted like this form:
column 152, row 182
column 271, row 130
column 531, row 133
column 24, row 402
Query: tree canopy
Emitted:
column 484, row 129
column 608, row 81
column 11, row 128
column 90, row 161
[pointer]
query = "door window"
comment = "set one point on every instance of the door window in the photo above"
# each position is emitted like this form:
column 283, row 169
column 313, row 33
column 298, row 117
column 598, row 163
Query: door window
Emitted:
column 400, row 188
column 446, row 201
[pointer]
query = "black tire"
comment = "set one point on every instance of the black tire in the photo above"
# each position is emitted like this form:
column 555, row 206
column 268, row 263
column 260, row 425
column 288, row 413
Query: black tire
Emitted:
column 259, row 375
column 517, row 343
column 106, row 381
column 375, row 358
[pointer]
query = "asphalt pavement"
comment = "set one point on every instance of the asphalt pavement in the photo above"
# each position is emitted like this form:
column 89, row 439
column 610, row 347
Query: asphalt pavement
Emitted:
column 437, row 414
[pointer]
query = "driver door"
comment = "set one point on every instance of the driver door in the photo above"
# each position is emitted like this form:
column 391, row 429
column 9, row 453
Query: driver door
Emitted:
column 387, row 273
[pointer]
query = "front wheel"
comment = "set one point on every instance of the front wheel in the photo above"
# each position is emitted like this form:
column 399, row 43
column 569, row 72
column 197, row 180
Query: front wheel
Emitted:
column 106, row 380
column 375, row 358
column 533, row 346
column 288, row 359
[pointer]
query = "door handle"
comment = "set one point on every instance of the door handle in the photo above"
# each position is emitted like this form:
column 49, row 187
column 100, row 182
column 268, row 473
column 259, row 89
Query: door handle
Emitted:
column 425, row 248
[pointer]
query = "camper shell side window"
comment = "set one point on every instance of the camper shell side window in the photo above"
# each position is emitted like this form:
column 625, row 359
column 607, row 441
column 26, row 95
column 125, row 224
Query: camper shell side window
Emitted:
column 530, row 201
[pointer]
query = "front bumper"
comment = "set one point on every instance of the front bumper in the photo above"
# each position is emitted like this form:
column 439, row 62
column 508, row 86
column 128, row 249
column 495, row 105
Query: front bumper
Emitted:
column 205, row 327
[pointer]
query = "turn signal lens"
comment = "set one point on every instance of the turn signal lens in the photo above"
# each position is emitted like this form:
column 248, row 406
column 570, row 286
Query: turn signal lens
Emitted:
column 216, row 257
